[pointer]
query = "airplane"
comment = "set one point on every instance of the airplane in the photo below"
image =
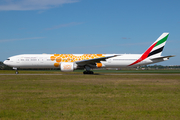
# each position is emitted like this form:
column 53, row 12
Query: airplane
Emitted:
column 70, row 62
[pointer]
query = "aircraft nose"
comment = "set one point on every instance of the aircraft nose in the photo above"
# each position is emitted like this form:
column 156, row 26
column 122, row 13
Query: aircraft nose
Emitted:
column 8, row 62
column 5, row 62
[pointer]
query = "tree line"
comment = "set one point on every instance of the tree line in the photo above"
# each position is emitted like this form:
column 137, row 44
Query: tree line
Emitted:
column 4, row 67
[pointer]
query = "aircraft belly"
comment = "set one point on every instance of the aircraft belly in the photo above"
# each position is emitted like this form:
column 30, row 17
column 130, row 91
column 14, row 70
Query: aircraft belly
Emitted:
column 35, row 65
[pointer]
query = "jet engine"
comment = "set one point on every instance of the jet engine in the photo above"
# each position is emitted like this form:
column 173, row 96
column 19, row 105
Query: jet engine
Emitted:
column 68, row 66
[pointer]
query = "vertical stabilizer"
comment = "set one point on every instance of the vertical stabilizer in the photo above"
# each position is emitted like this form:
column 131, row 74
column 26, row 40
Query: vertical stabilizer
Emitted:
column 158, row 46
column 155, row 50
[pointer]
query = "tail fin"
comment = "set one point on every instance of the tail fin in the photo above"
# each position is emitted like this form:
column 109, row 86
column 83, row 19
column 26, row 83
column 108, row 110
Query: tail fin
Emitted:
column 158, row 45
column 155, row 49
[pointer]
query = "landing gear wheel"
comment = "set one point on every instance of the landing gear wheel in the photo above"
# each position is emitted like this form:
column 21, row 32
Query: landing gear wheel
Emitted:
column 16, row 70
column 88, row 72
column 91, row 72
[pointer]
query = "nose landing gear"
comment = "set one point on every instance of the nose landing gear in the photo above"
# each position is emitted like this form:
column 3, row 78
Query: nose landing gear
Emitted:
column 16, row 70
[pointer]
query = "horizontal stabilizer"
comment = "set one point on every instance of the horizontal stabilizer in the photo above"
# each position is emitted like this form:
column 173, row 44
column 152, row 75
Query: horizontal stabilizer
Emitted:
column 157, row 58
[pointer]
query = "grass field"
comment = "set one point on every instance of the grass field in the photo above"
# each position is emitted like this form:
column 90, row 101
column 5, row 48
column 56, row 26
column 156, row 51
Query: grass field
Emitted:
column 95, row 71
column 89, row 96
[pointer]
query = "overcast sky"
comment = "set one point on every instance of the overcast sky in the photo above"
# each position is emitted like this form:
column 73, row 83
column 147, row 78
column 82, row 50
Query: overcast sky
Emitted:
column 88, row 26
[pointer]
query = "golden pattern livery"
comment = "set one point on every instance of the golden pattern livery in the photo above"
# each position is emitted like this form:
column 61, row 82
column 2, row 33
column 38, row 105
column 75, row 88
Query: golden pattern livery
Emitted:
column 72, row 58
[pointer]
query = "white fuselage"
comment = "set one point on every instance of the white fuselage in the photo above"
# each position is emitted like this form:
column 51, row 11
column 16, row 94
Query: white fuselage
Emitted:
column 55, row 60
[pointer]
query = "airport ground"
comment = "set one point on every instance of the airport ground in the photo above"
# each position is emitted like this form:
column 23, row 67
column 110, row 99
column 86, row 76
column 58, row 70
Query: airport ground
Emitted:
column 105, row 95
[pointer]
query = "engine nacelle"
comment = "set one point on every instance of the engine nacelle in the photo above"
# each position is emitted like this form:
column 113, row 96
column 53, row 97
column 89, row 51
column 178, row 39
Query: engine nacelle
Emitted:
column 68, row 66
column 99, row 65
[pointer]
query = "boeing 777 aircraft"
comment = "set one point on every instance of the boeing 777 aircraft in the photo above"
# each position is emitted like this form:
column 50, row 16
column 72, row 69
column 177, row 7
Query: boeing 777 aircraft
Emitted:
column 70, row 62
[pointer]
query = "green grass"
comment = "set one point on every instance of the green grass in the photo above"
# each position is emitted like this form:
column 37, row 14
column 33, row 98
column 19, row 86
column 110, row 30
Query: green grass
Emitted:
column 90, row 97
column 95, row 71
column 139, row 71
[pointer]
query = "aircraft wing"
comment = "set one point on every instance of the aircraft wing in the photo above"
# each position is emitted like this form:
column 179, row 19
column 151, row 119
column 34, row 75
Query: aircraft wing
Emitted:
column 163, row 57
column 93, row 61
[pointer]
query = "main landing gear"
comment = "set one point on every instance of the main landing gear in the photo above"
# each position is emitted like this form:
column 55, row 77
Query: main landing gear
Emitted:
column 88, row 70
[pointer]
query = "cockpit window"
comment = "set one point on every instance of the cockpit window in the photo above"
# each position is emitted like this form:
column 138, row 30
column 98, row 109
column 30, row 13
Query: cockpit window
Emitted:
column 8, row 59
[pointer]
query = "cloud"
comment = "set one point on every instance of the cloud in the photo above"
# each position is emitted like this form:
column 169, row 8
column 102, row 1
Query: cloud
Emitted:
column 10, row 40
column 6, row 5
column 64, row 25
